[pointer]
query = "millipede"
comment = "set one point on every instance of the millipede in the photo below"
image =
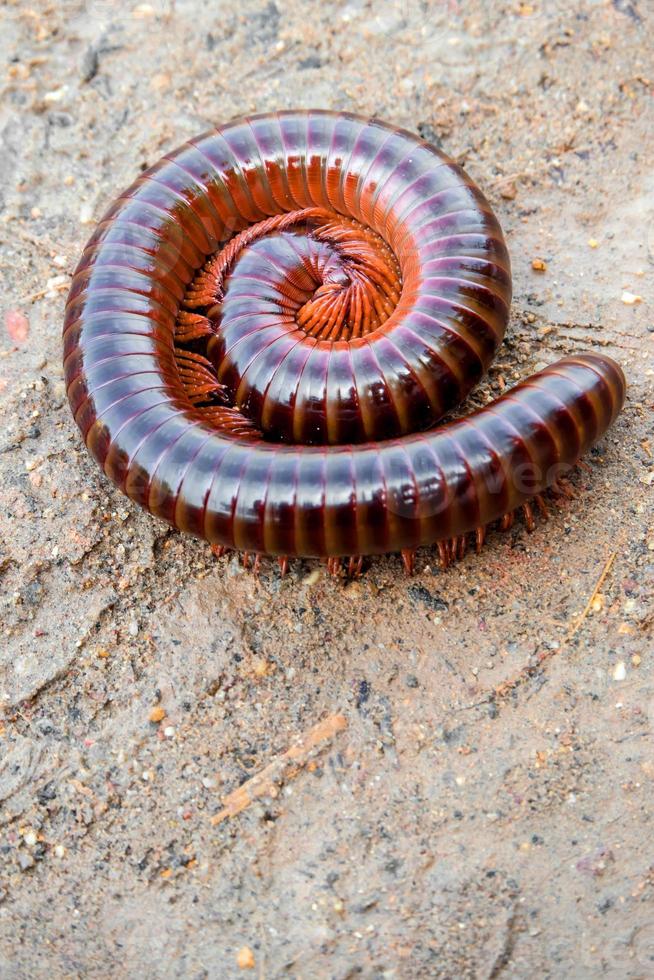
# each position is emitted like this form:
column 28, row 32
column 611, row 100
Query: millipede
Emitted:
column 264, row 330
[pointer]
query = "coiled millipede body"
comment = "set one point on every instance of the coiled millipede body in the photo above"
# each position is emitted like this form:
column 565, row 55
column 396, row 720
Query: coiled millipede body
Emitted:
column 265, row 327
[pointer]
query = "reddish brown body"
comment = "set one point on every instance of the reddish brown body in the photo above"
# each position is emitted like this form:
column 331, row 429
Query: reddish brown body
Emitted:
column 264, row 328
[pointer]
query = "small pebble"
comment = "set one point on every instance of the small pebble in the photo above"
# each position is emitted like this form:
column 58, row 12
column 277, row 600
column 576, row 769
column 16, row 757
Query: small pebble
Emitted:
column 538, row 265
column 57, row 95
column 25, row 860
column 157, row 714
column 630, row 299
column 143, row 11
column 169, row 731
column 17, row 326
column 245, row 958
column 56, row 282
column 619, row 671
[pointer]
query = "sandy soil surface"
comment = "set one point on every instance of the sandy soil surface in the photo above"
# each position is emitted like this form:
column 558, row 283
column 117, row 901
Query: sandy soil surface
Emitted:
column 477, row 798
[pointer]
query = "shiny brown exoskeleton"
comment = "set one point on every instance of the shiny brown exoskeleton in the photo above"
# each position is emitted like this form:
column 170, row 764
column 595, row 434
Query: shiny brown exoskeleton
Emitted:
column 263, row 330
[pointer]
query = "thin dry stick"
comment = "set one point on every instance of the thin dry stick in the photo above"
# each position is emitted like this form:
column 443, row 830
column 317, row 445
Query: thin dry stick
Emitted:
column 600, row 582
column 32, row 297
column 508, row 686
column 286, row 766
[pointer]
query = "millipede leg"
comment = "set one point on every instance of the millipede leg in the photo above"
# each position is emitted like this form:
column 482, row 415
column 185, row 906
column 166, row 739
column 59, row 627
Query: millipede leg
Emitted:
column 192, row 326
column 245, row 559
column 218, row 550
column 480, row 537
column 561, row 488
column 443, row 554
column 256, row 568
column 408, row 557
column 334, row 566
column 506, row 523
column 529, row 516
column 354, row 566
column 542, row 506
column 282, row 561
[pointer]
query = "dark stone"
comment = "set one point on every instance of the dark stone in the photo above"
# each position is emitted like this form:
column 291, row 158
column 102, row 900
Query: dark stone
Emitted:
column 90, row 64
column 421, row 594
column 312, row 61
column 363, row 693
column 429, row 134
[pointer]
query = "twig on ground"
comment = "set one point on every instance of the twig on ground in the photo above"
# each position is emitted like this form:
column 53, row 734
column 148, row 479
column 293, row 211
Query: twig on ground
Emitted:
column 32, row 297
column 508, row 686
column 284, row 767
column 600, row 582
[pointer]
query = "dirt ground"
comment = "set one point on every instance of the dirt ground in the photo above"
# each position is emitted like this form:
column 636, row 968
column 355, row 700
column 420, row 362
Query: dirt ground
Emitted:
column 478, row 801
